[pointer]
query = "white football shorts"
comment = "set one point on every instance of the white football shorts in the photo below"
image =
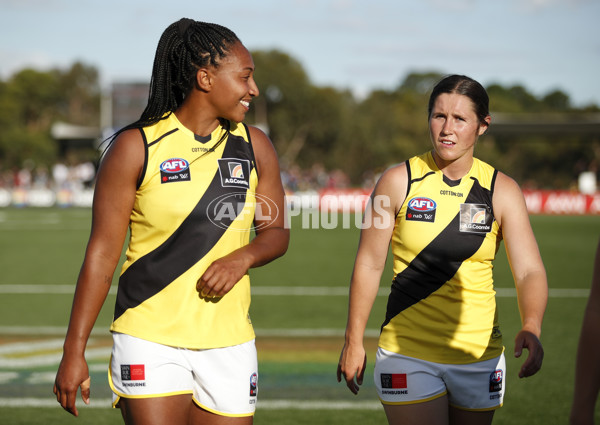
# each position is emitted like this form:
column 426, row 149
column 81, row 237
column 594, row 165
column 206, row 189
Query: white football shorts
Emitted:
column 223, row 381
column 407, row 380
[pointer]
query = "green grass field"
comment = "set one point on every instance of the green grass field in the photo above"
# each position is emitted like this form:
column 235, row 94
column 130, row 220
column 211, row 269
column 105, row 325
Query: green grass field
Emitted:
column 298, row 309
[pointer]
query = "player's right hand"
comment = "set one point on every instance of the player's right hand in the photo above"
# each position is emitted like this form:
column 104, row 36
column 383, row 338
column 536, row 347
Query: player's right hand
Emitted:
column 71, row 376
column 351, row 367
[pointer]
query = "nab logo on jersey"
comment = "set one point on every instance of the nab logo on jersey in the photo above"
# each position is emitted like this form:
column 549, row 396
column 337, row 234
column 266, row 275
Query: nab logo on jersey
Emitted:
column 174, row 170
column 235, row 172
column 421, row 209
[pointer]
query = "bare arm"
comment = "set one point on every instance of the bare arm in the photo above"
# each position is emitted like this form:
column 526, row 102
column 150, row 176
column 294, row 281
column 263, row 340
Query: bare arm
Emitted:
column 272, row 235
column 587, row 369
column 113, row 200
column 527, row 268
column 378, row 226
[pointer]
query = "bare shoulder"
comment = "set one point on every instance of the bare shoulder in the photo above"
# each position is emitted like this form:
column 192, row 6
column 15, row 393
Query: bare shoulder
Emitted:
column 506, row 185
column 265, row 154
column 508, row 198
column 126, row 152
column 259, row 139
column 393, row 178
column 129, row 142
column 393, row 184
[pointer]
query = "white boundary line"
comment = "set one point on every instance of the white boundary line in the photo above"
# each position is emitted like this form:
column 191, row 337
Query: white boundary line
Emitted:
column 106, row 403
column 302, row 291
column 298, row 332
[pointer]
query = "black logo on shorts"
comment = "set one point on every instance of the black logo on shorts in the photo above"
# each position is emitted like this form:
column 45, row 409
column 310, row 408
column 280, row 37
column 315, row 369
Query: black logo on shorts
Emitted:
column 393, row 380
column 253, row 385
column 496, row 381
column 133, row 372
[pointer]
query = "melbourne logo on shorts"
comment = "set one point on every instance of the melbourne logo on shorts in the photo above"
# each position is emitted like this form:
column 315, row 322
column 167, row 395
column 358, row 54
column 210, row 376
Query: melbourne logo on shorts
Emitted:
column 393, row 380
column 253, row 385
column 496, row 381
column 133, row 372
column 235, row 172
column 174, row 170
column 421, row 209
column 475, row 218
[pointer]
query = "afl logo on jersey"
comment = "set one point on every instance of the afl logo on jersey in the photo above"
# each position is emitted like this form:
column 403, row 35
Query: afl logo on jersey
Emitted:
column 174, row 170
column 174, row 165
column 422, row 204
column 421, row 209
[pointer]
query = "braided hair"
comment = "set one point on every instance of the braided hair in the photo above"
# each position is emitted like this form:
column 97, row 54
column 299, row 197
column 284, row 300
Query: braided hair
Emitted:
column 184, row 47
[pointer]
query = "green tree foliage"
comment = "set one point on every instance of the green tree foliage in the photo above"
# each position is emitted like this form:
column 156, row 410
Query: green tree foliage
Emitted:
column 320, row 127
column 31, row 101
column 544, row 159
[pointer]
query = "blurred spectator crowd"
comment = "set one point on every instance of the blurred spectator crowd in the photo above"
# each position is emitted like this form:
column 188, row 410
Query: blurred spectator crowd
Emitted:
column 80, row 176
column 60, row 176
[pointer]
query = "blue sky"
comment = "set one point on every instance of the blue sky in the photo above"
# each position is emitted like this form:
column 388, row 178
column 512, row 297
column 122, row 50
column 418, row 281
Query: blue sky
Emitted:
column 360, row 45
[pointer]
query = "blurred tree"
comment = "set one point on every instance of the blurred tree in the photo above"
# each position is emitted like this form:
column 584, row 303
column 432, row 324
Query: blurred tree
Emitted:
column 305, row 122
column 36, row 96
column 31, row 101
column 283, row 108
column 314, row 126
column 556, row 101
column 80, row 90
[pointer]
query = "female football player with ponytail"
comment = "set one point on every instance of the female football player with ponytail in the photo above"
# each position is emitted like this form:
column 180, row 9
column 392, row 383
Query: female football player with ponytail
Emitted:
column 189, row 181
column 441, row 355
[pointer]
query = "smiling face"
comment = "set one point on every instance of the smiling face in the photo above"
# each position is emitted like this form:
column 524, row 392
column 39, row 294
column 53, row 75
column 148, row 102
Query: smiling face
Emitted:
column 454, row 129
column 233, row 85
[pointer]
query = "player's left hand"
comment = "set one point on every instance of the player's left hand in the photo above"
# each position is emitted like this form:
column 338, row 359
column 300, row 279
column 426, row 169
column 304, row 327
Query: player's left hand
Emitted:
column 533, row 363
column 221, row 276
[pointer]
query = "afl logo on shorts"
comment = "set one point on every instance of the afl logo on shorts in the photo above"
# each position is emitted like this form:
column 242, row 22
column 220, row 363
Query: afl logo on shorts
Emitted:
column 421, row 209
column 496, row 381
column 174, row 170
column 253, row 385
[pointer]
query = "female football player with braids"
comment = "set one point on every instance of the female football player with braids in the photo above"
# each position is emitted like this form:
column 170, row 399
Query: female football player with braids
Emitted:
column 441, row 358
column 189, row 181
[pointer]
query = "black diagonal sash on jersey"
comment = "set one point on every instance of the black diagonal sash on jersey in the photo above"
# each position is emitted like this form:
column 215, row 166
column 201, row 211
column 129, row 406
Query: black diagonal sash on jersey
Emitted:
column 185, row 247
column 436, row 264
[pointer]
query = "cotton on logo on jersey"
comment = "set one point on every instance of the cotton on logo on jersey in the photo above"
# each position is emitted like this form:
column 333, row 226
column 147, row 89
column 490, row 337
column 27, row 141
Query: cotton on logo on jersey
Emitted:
column 234, row 172
column 174, row 170
column 421, row 209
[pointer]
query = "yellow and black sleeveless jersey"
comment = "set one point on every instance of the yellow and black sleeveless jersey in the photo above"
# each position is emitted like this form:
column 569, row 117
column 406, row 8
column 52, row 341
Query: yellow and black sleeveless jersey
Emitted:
column 194, row 204
column 442, row 304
